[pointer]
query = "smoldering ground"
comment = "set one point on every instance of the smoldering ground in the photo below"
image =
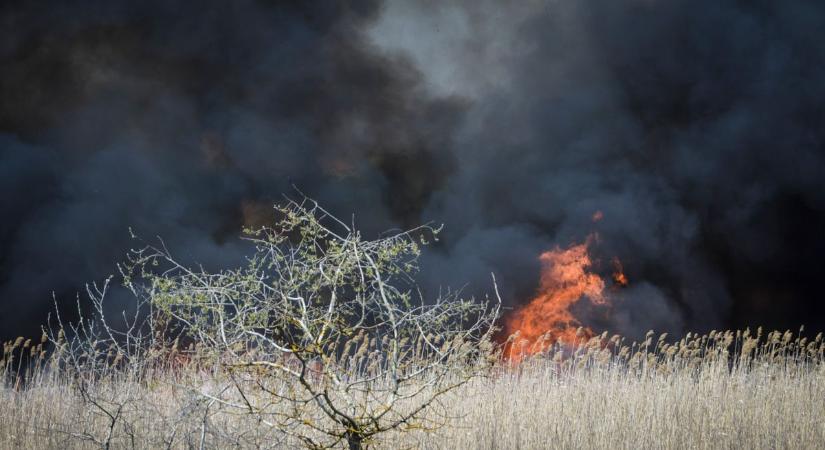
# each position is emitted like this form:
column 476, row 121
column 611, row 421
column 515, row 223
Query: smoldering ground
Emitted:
column 695, row 127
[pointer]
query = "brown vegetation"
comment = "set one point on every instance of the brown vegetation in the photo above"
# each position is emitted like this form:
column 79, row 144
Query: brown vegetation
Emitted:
column 723, row 390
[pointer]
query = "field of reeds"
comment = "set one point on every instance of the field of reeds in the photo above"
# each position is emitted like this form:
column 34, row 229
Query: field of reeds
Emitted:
column 722, row 390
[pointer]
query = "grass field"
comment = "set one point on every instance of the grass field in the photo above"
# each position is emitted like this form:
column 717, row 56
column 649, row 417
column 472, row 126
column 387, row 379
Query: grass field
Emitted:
column 724, row 390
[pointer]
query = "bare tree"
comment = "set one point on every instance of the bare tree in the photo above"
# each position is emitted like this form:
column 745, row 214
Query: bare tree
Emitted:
column 324, row 335
column 106, row 364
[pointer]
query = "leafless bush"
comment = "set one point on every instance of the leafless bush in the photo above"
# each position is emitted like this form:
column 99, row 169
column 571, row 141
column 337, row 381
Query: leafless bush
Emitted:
column 322, row 336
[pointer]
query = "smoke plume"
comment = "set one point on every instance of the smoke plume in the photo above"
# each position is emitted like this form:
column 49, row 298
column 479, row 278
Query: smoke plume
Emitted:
column 695, row 127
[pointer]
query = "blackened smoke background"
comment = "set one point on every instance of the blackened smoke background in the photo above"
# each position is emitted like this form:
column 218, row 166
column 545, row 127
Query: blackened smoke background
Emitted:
column 696, row 127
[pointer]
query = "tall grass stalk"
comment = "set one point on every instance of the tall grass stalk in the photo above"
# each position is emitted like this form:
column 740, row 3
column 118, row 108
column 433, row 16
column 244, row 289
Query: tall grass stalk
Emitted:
column 721, row 390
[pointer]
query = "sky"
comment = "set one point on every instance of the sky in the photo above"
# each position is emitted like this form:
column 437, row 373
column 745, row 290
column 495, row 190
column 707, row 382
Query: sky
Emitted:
column 695, row 127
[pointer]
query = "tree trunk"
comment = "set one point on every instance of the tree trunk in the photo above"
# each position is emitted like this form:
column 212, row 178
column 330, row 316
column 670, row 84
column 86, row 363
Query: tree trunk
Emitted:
column 355, row 440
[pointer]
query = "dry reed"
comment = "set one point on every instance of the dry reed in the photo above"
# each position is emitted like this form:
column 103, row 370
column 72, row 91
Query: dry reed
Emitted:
column 721, row 390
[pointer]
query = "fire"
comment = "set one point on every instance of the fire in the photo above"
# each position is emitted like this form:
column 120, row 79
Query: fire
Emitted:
column 618, row 273
column 566, row 278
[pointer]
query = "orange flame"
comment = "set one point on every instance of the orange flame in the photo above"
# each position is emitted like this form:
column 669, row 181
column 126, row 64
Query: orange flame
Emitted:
column 618, row 273
column 546, row 319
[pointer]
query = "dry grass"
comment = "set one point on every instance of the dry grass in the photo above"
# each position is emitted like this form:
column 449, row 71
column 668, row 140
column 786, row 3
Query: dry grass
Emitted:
column 724, row 390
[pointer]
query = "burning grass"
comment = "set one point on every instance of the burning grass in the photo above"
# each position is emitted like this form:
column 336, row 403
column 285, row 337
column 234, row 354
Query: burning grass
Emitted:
column 566, row 278
column 721, row 390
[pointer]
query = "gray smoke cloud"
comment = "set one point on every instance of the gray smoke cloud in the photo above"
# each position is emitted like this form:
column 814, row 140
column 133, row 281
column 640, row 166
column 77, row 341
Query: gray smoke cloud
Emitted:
column 691, row 126
column 695, row 127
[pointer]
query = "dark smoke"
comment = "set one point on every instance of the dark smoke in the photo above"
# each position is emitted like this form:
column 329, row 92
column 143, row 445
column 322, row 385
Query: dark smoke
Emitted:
column 696, row 127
